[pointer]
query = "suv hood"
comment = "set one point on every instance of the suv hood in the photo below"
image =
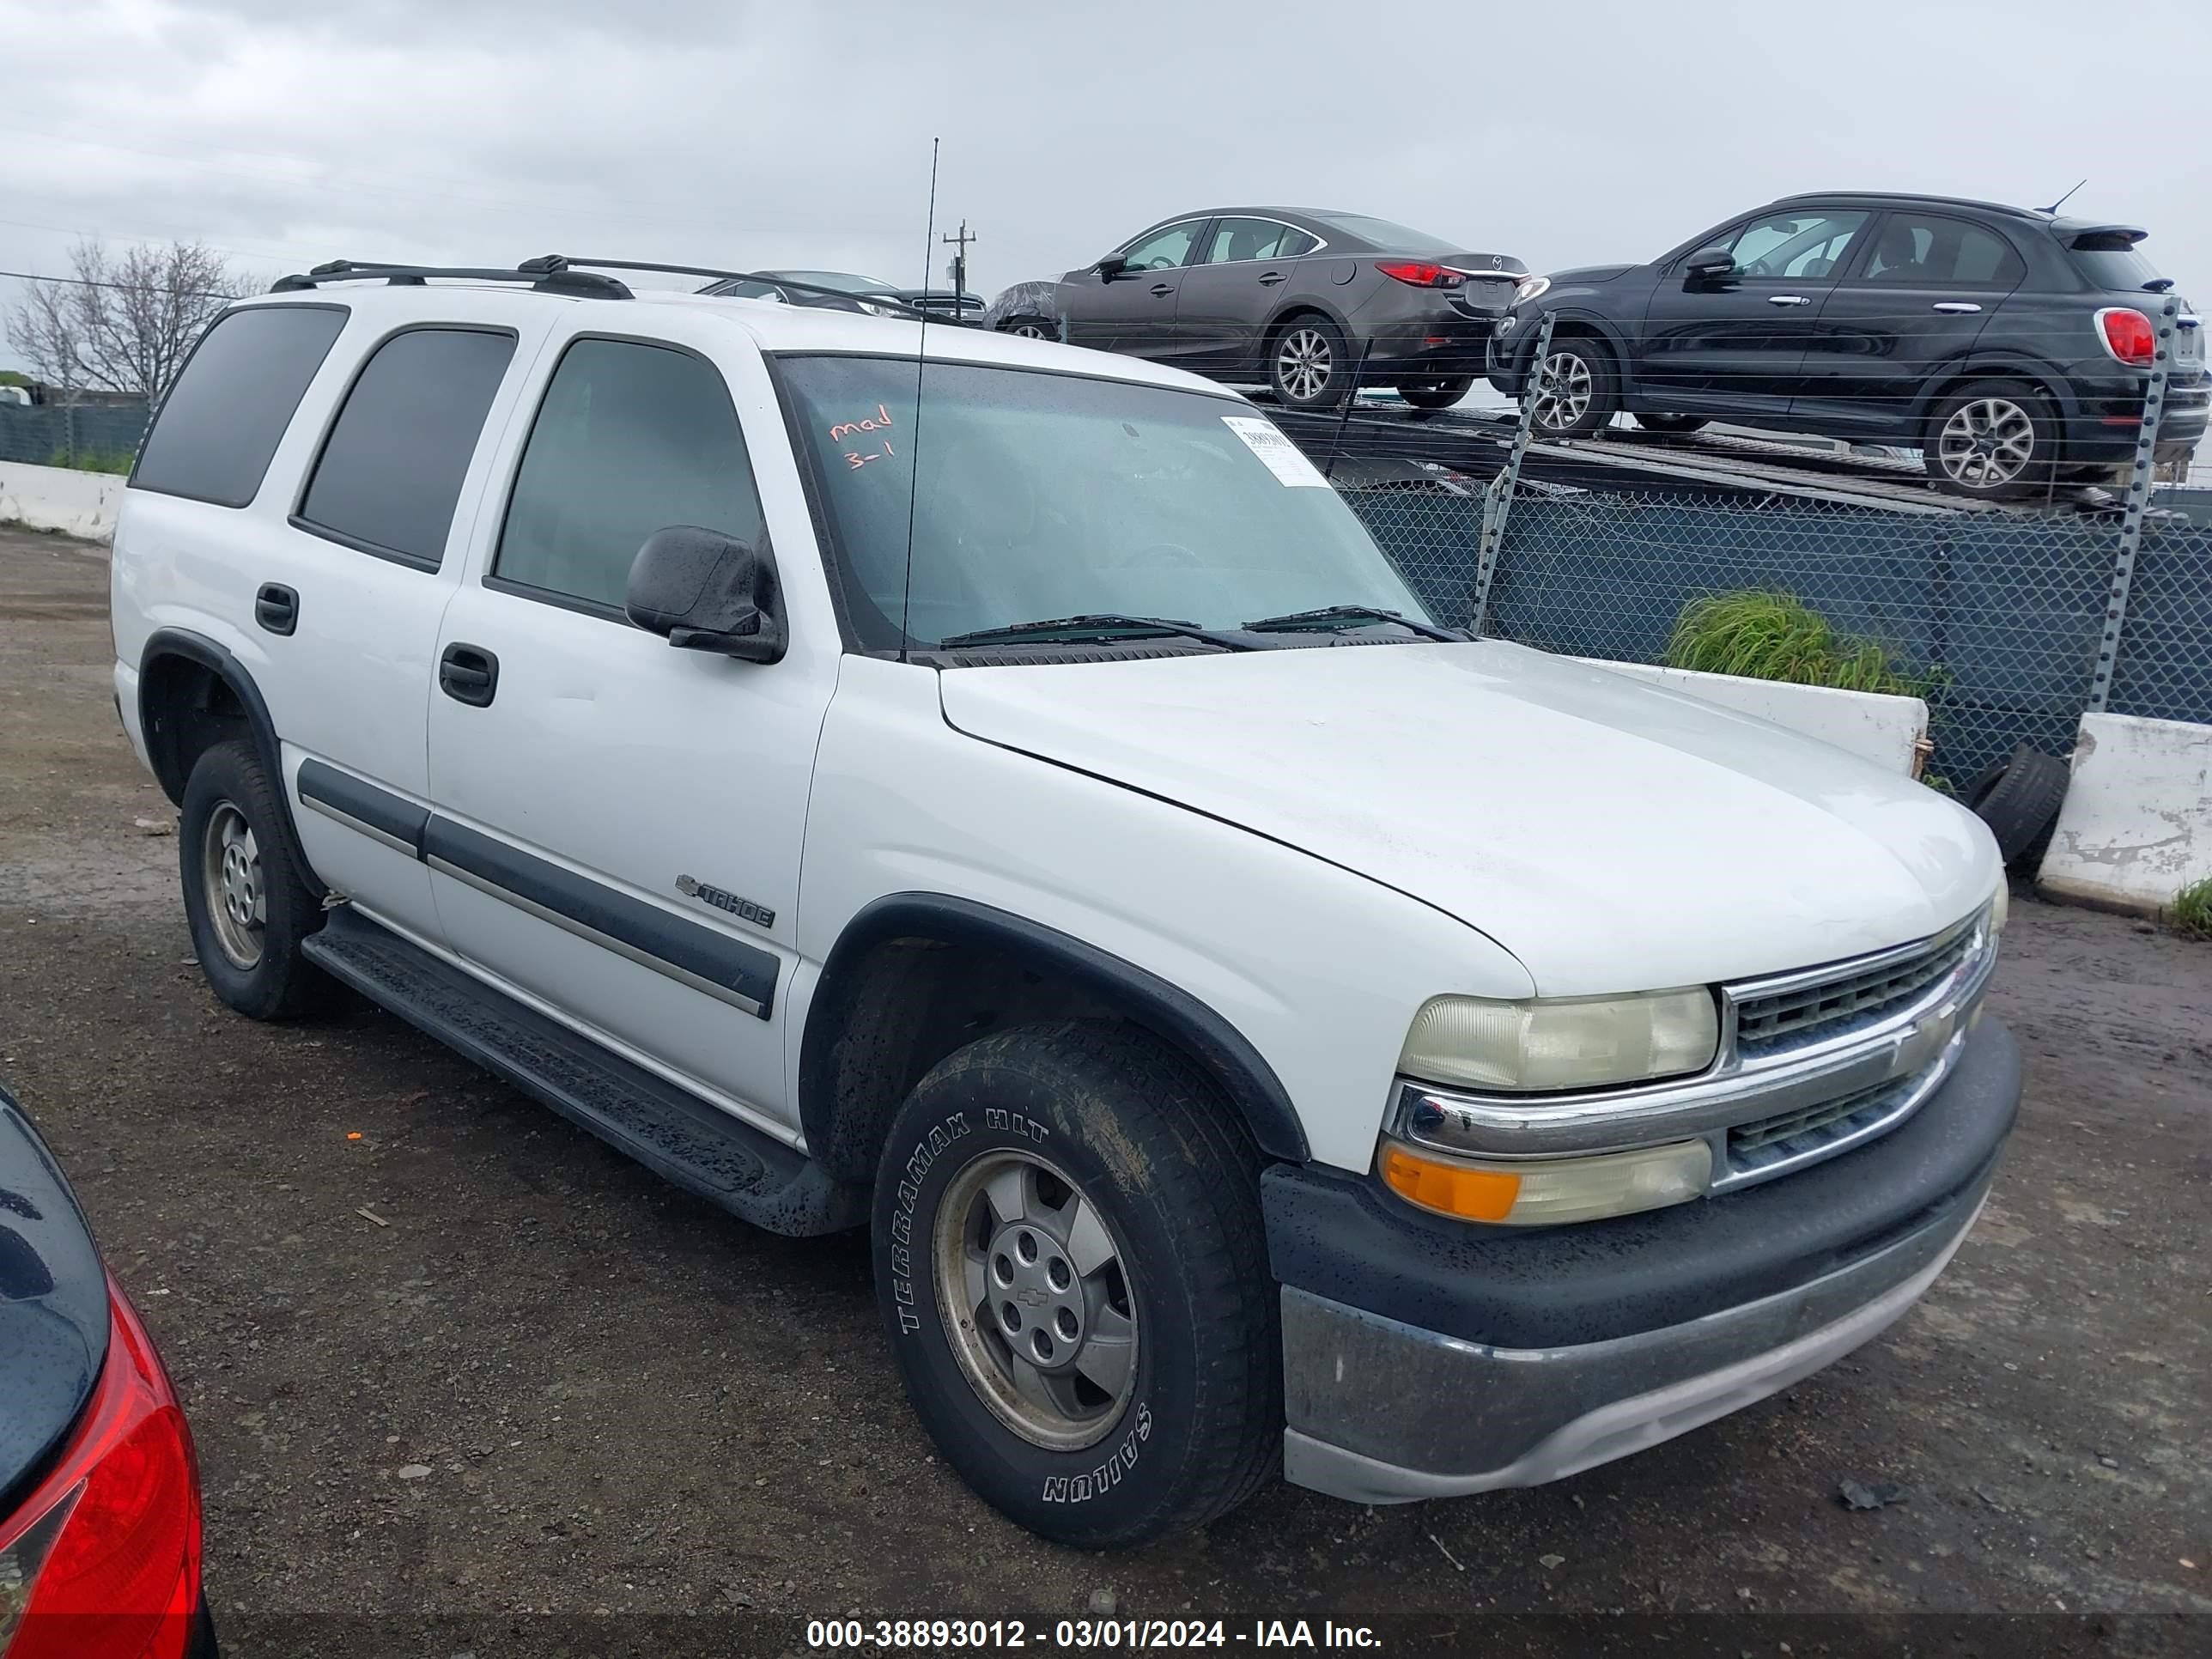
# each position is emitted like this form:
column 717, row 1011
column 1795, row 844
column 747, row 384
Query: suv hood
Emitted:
column 1613, row 835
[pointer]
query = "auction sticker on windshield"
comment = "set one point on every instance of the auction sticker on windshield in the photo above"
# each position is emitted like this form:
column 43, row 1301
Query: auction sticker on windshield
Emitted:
column 1283, row 458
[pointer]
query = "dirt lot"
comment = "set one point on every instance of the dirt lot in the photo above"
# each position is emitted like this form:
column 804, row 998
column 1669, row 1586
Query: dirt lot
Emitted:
column 627, row 1403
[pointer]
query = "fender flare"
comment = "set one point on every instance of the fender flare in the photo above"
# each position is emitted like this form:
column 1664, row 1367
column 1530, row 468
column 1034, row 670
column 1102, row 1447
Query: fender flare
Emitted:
column 1978, row 363
column 1243, row 1075
column 218, row 660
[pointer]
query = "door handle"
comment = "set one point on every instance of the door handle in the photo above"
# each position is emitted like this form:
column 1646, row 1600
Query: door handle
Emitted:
column 468, row 674
column 277, row 608
column 1956, row 307
column 1788, row 300
column 1269, row 278
column 1161, row 290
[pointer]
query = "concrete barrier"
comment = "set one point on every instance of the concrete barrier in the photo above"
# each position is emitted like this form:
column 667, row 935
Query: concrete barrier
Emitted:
column 2136, row 827
column 1888, row 730
column 60, row 498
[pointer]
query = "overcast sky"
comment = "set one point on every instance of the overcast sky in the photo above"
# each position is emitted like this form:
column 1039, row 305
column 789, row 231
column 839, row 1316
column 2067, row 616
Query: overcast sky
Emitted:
column 286, row 132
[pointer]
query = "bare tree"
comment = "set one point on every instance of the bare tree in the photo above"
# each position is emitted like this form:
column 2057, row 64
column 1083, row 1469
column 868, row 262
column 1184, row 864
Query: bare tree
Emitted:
column 123, row 323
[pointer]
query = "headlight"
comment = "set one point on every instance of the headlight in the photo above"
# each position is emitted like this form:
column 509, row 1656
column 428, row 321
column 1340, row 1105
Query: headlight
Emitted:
column 2000, row 907
column 1547, row 1191
column 1533, row 288
column 874, row 310
column 1561, row 1042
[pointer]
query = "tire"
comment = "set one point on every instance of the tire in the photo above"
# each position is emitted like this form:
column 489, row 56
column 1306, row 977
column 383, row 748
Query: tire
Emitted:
column 247, row 905
column 1058, row 1120
column 1438, row 394
column 1583, row 392
column 1992, row 441
column 2019, row 798
column 1031, row 328
column 1673, row 425
column 1308, row 365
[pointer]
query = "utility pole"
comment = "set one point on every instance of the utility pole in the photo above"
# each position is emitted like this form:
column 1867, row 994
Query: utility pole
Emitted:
column 958, row 271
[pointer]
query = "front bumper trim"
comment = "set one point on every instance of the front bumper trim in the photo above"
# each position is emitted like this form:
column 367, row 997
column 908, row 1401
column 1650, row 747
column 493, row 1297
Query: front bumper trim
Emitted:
column 1384, row 1412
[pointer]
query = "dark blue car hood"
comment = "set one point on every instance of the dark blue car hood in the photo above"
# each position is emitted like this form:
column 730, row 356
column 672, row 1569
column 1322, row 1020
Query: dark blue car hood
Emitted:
column 53, row 1307
column 1584, row 275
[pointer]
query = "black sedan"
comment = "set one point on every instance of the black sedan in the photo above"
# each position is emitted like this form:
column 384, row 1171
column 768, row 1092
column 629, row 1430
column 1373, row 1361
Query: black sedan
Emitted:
column 1304, row 301
column 99, row 1494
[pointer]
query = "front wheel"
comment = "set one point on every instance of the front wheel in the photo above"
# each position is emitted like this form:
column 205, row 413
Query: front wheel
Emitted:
column 1310, row 367
column 1073, row 1274
column 1030, row 328
column 1574, row 391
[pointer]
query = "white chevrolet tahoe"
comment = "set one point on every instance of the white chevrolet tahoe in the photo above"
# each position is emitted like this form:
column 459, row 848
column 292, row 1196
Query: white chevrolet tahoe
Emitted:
column 999, row 795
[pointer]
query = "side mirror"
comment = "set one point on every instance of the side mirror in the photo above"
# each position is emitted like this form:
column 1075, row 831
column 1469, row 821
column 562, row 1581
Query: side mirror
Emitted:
column 1711, row 265
column 708, row 591
column 1111, row 266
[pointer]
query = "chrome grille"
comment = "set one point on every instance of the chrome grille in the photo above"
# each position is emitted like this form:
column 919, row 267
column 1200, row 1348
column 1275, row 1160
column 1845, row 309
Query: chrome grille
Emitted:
column 1788, row 1137
column 1790, row 1019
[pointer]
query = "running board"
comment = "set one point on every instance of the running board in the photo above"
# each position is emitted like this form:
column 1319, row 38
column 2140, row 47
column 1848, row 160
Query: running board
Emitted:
column 668, row 1129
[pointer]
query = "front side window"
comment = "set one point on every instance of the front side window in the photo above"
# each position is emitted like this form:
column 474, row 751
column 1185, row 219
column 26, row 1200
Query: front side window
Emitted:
column 392, row 469
column 1164, row 250
column 630, row 438
column 1805, row 244
column 221, row 423
column 1045, row 495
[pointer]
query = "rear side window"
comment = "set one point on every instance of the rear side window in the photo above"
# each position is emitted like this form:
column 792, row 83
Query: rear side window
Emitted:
column 223, row 419
column 392, row 468
column 1933, row 251
column 630, row 438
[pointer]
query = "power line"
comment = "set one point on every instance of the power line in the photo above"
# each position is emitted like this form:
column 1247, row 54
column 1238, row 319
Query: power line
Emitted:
column 132, row 288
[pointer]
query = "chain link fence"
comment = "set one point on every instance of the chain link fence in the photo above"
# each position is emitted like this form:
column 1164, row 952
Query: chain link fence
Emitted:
column 101, row 436
column 1999, row 617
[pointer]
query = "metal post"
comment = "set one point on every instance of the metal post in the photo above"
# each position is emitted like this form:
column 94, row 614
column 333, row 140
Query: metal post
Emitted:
column 2131, row 521
column 1498, row 497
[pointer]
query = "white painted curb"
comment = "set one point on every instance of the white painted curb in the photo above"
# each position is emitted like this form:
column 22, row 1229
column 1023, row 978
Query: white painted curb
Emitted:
column 1872, row 725
column 2136, row 827
column 60, row 498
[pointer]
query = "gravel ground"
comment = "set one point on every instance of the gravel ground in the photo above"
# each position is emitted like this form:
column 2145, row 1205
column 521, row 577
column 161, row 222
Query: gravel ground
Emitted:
column 542, row 1382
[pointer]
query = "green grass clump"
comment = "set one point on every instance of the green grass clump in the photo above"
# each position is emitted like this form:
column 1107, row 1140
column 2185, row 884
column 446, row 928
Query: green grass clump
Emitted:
column 2191, row 913
column 1777, row 636
column 93, row 460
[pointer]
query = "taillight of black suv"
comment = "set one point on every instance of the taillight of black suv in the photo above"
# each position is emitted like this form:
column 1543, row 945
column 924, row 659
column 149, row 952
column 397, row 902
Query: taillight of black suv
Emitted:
column 2011, row 346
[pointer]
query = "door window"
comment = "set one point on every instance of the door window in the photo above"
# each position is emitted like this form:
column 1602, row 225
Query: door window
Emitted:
column 1235, row 240
column 1806, row 245
column 1165, row 249
column 630, row 438
column 221, row 423
column 392, row 468
column 1931, row 251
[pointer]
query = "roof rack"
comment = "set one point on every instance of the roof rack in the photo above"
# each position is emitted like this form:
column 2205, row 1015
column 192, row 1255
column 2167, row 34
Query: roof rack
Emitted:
column 562, row 263
column 548, row 276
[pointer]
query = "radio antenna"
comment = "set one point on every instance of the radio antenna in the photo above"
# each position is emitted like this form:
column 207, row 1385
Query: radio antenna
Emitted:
column 914, row 443
column 2060, row 202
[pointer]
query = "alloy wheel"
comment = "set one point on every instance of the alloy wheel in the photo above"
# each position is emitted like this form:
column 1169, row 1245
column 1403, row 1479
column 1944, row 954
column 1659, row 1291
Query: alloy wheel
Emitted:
column 1031, row 331
column 1037, row 1305
column 237, row 898
column 1304, row 364
column 1986, row 444
column 1563, row 391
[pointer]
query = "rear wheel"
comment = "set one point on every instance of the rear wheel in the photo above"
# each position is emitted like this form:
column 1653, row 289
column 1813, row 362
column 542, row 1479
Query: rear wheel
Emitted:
column 1674, row 425
column 1576, row 393
column 1310, row 366
column 246, row 901
column 1993, row 440
column 1438, row 394
column 1073, row 1270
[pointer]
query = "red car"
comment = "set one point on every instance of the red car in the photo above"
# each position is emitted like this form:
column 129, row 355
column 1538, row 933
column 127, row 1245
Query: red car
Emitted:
column 100, row 1492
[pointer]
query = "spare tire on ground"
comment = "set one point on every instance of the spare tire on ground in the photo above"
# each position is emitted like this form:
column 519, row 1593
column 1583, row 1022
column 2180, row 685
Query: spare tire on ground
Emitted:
column 2019, row 798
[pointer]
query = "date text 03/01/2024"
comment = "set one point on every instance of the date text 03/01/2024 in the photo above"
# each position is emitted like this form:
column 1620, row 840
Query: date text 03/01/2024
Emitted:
column 1108, row 1634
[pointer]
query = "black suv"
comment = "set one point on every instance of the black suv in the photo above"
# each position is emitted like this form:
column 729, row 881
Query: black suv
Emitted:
column 2010, row 346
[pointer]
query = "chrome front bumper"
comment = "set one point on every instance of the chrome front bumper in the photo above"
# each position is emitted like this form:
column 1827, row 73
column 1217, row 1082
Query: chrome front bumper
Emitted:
column 1381, row 1411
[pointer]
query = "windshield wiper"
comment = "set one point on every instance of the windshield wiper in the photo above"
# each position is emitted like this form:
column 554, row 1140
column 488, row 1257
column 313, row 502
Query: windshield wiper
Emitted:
column 1320, row 619
column 1101, row 625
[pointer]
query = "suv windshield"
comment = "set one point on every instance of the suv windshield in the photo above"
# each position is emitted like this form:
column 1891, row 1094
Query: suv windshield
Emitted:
column 1046, row 495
